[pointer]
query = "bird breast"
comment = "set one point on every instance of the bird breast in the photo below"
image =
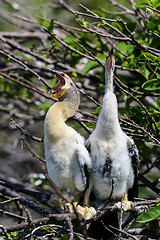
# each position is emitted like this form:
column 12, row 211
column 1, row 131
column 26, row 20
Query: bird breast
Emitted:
column 111, row 161
column 61, row 160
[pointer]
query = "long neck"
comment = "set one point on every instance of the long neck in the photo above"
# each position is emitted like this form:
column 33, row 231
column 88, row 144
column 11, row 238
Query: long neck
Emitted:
column 109, row 81
column 55, row 126
column 69, row 102
column 108, row 123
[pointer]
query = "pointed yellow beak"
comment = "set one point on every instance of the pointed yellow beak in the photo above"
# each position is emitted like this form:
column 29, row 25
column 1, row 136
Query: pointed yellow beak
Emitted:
column 63, row 85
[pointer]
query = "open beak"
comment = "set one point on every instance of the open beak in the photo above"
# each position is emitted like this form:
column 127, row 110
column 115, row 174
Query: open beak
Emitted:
column 60, row 84
column 61, row 88
column 110, row 61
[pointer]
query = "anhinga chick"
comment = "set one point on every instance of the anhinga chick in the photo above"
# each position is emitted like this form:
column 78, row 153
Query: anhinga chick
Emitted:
column 114, row 155
column 66, row 156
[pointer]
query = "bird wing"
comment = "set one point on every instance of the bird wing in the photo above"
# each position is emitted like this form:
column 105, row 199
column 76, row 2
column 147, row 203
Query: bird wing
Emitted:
column 82, row 167
column 134, row 154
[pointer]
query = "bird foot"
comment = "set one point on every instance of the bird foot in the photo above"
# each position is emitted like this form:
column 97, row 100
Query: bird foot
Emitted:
column 90, row 212
column 125, row 205
column 57, row 201
column 85, row 213
column 69, row 207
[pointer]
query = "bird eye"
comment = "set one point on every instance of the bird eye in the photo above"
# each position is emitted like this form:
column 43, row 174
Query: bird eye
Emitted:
column 62, row 74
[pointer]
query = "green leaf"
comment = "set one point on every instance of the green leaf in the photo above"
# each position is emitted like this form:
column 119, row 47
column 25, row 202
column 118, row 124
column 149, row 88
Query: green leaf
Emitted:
column 89, row 65
column 44, row 106
column 42, row 22
column 124, row 64
column 140, row 5
column 32, row 46
column 144, row 71
column 145, row 1
column 157, row 101
column 155, row 2
column 129, row 49
column 2, row 85
column 83, row 22
column 122, row 46
column 98, row 110
column 102, row 85
column 53, row 82
column 150, row 56
column 70, row 39
column 80, row 20
column 101, row 57
column 151, row 85
column 101, row 24
column 126, row 48
column 1, row 78
column 86, row 24
column 76, row 237
column 74, row 74
column 14, row 234
column 93, row 64
column 150, row 215
column 24, row 92
column 29, row 58
column 77, row 126
column 48, row 25
column 51, row 25
column 90, row 125
column 64, row 237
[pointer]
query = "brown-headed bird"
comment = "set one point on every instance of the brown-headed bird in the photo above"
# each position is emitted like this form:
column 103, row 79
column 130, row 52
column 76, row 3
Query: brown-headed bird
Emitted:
column 66, row 156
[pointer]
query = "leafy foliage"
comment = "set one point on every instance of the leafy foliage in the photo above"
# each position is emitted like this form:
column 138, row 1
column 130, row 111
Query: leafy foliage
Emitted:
column 48, row 25
column 79, row 46
column 152, row 214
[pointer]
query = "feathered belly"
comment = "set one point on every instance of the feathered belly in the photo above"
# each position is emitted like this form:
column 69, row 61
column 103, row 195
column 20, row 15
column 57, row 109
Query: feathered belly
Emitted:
column 60, row 167
column 115, row 180
column 62, row 176
column 112, row 173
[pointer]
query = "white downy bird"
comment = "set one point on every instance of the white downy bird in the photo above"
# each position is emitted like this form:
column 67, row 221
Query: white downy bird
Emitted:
column 66, row 156
column 114, row 155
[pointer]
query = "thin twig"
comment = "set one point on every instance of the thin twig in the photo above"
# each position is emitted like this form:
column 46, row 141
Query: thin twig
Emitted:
column 18, row 46
column 13, row 215
column 26, row 68
column 139, row 102
column 25, row 132
column 121, row 231
column 56, row 189
column 26, row 85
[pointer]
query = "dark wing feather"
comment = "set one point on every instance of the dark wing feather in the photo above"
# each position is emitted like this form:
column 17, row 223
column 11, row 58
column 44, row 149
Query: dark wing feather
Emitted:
column 84, row 163
column 84, row 167
column 133, row 152
column 88, row 146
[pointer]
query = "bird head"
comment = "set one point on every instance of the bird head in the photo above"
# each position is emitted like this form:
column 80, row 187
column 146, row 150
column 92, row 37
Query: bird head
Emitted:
column 63, row 85
column 110, row 62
